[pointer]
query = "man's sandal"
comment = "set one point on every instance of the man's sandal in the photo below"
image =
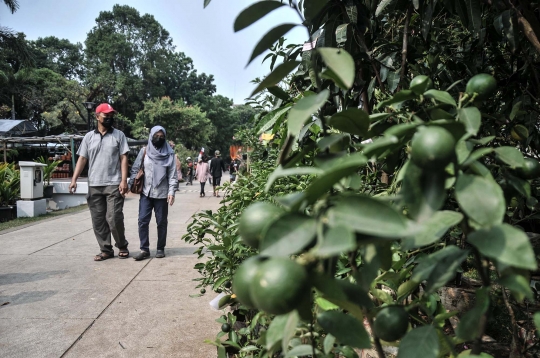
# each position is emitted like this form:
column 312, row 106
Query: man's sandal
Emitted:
column 102, row 257
column 123, row 254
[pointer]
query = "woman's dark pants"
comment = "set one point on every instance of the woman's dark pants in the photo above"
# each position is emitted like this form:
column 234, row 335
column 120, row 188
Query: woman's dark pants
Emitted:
column 161, row 208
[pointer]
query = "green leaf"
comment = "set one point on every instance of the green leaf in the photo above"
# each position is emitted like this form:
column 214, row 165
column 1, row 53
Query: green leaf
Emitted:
column 511, row 156
column 433, row 229
column 270, row 38
column 509, row 26
column 278, row 92
column 253, row 13
column 290, row 330
column 506, row 244
column 341, row 33
column 420, row 342
column 336, row 240
column 439, row 268
column 481, row 199
column 474, row 14
column 329, row 341
column 346, row 295
column 477, row 154
column 348, row 330
column 301, row 351
column 325, row 305
column 469, row 325
column 337, row 170
column 276, row 330
column 482, row 141
column 280, row 172
column 369, row 216
column 312, row 8
column 471, row 118
column 519, row 285
column 340, row 62
column 382, row 5
column 440, row 96
column 423, row 192
column 303, row 109
column 536, row 319
column 399, row 97
column 277, row 75
column 406, row 288
column 288, row 235
column 273, row 116
column 515, row 110
column 380, row 146
column 393, row 80
column 352, row 120
column 206, row 2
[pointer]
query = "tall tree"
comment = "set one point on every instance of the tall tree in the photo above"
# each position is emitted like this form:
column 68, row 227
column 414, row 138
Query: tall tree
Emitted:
column 59, row 55
column 186, row 125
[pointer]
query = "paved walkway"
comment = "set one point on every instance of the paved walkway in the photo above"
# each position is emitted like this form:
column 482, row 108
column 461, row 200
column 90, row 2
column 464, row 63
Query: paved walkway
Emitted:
column 55, row 301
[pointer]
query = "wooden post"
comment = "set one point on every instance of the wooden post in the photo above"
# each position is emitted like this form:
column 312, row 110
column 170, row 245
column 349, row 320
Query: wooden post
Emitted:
column 5, row 152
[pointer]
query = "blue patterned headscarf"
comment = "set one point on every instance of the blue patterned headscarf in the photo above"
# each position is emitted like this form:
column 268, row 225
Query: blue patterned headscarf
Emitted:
column 162, row 158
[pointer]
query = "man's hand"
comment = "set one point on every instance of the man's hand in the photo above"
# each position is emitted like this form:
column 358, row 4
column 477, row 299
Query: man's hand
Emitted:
column 123, row 187
column 170, row 200
column 72, row 187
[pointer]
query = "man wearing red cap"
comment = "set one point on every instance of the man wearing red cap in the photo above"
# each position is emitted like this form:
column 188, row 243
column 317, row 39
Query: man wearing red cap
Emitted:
column 105, row 150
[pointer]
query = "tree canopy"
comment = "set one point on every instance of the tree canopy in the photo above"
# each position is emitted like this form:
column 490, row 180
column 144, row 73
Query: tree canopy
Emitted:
column 128, row 60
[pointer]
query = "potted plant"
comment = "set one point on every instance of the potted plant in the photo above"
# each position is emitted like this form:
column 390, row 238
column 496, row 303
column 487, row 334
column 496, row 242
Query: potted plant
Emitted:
column 10, row 178
column 47, row 173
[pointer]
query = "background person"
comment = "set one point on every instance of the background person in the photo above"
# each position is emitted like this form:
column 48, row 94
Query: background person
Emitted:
column 217, row 167
column 203, row 172
column 160, row 182
column 105, row 150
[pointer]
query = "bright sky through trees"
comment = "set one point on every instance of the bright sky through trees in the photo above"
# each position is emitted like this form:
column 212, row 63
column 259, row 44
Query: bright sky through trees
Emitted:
column 205, row 35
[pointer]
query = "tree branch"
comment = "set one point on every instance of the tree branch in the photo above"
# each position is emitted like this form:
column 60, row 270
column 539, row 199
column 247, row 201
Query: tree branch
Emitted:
column 405, row 46
column 526, row 27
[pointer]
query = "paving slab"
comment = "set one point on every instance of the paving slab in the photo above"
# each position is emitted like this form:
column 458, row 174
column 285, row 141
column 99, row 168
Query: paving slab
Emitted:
column 55, row 301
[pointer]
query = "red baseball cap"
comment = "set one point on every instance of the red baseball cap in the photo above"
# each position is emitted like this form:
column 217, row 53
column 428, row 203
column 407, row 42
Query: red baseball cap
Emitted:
column 104, row 108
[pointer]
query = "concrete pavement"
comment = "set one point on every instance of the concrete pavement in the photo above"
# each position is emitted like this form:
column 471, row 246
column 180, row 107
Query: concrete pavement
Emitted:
column 55, row 301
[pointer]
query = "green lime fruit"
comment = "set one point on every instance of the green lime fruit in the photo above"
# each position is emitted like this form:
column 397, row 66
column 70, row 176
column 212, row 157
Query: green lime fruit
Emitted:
column 225, row 327
column 421, row 84
column 432, row 148
column 530, row 169
column 279, row 286
column 203, row 291
column 243, row 278
column 520, row 132
column 391, row 323
column 514, row 202
column 482, row 84
column 255, row 220
column 227, row 284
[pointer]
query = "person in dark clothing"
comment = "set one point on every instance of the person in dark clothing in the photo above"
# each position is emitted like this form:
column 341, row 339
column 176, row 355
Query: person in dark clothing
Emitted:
column 217, row 167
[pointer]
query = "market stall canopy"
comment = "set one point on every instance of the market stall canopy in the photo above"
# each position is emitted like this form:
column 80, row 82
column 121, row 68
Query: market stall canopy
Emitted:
column 16, row 127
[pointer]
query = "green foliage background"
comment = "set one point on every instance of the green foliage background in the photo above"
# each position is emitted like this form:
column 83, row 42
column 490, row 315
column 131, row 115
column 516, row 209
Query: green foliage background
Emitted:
column 379, row 228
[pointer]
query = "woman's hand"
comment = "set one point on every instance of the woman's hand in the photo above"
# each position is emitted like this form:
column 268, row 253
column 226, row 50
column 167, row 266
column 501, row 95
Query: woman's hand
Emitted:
column 170, row 199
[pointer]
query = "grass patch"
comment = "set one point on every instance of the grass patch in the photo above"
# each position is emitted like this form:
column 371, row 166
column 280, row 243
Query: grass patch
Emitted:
column 24, row 221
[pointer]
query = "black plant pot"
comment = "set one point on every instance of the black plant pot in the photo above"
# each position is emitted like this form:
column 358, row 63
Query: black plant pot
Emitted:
column 7, row 213
column 48, row 191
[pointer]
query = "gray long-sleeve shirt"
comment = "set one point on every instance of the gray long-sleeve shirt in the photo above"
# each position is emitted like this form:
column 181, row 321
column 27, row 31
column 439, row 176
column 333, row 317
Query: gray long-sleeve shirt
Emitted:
column 166, row 187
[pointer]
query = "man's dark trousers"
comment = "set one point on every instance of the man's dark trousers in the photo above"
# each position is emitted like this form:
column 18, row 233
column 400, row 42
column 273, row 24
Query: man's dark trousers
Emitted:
column 106, row 209
column 161, row 208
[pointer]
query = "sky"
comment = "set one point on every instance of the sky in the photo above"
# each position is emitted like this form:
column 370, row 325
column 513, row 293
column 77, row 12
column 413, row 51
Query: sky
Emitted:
column 205, row 35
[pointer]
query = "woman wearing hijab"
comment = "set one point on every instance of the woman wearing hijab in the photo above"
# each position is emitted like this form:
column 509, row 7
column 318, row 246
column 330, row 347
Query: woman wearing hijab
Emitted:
column 203, row 173
column 160, row 182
